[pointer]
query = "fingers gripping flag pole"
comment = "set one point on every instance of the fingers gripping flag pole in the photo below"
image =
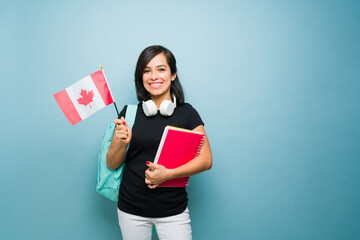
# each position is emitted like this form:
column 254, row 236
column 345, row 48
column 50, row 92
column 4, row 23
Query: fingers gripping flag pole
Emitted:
column 85, row 97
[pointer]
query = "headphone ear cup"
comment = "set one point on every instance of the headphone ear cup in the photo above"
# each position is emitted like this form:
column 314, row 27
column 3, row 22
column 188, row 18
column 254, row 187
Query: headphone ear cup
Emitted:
column 149, row 108
column 167, row 108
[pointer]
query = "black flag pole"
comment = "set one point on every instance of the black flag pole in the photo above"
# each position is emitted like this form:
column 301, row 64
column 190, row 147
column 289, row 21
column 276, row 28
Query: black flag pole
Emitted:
column 117, row 111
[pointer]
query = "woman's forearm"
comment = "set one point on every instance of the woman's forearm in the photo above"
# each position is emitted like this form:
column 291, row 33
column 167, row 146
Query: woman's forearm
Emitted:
column 116, row 155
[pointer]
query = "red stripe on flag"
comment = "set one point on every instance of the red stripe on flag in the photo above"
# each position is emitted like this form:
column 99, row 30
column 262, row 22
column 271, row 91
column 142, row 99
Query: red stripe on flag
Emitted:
column 102, row 86
column 66, row 105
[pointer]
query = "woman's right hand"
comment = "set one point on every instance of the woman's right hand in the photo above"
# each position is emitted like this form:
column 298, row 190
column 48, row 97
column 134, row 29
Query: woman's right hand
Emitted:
column 122, row 131
column 119, row 143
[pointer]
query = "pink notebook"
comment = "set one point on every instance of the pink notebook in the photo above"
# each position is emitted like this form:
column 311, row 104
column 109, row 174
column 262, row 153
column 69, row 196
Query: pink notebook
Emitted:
column 177, row 147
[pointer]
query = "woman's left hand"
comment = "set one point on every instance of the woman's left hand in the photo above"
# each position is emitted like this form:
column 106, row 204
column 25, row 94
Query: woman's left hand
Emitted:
column 155, row 175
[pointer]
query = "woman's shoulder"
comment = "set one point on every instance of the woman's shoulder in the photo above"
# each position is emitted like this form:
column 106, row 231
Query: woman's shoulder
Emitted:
column 186, row 105
column 188, row 109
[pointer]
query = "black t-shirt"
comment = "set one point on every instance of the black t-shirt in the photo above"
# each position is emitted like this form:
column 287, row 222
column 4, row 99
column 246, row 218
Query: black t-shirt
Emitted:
column 135, row 197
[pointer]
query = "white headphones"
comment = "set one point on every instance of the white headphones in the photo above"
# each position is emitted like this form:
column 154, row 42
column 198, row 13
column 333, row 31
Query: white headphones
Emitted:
column 166, row 107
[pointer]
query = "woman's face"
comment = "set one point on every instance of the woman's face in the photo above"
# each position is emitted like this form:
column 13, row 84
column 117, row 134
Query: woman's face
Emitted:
column 157, row 77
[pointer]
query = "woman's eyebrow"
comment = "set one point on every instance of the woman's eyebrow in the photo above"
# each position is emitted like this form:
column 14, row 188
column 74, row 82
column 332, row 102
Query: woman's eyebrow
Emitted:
column 161, row 65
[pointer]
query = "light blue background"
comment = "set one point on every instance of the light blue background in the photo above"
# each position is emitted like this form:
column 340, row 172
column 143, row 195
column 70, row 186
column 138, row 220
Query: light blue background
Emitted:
column 276, row 82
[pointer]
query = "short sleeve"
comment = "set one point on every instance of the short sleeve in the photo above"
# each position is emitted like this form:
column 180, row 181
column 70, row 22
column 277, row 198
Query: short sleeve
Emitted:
column 194, row 119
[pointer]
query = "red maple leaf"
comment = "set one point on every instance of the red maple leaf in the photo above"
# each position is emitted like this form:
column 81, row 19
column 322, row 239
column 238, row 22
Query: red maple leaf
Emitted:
column 86, row 97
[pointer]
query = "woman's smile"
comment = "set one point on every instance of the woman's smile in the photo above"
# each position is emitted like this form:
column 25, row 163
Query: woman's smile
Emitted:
column 156, row 85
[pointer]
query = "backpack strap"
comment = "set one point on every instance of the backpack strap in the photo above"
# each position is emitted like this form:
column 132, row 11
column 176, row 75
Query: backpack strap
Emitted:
column 109, row 180
column 130, row 115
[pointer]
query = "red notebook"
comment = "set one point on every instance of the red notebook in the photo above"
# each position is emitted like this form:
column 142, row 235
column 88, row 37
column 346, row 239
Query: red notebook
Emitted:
column 177, row 147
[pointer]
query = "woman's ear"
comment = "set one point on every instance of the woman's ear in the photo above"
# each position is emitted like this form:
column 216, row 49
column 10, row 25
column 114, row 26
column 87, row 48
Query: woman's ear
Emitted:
column 173, row 77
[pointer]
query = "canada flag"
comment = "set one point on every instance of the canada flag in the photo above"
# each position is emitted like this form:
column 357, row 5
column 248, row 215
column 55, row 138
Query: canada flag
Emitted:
column 84, row 97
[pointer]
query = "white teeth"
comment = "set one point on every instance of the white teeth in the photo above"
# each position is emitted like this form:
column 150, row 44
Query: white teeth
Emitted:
column 156, row 84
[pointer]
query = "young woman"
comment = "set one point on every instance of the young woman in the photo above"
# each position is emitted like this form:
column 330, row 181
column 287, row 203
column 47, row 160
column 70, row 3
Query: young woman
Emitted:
column 141, row 202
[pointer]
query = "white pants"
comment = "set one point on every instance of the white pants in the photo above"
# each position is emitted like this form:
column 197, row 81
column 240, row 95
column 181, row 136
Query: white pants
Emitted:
column 140, row 228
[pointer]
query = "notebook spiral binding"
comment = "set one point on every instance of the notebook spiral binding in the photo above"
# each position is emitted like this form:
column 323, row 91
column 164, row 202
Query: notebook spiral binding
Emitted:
column 200, row 146
column 197, row 154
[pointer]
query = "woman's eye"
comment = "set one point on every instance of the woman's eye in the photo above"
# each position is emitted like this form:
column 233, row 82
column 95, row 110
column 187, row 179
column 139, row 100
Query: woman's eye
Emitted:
column 146, row 71
column 161, row 69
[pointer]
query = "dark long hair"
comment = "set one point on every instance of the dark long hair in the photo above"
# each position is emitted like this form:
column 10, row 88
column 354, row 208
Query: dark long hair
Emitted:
column 145, row 57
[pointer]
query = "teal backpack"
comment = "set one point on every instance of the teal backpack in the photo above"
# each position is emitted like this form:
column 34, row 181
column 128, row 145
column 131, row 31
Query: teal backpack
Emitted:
column 108, row 180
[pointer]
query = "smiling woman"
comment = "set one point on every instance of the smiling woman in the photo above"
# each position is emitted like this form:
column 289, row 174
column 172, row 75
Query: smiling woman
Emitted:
column 141, row 202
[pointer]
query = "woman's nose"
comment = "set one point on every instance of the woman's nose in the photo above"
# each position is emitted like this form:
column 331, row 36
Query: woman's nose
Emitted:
column 154, row 75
